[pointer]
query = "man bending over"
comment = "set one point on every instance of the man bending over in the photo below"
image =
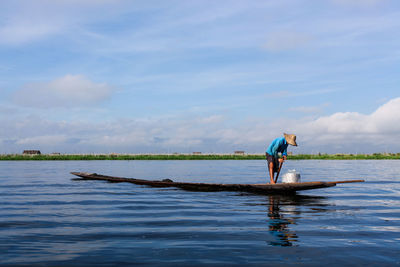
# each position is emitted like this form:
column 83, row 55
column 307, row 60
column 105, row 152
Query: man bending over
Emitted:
column 279, row 145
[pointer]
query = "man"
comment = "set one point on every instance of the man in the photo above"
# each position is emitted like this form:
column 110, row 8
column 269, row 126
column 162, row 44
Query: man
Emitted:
column 279, row 145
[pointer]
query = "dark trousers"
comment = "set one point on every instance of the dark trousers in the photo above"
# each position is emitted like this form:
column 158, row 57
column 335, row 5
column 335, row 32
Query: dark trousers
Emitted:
column 274, row 161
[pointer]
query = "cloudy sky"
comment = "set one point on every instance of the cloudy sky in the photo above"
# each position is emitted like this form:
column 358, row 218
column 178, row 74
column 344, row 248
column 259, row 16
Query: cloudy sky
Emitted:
column 156, row 76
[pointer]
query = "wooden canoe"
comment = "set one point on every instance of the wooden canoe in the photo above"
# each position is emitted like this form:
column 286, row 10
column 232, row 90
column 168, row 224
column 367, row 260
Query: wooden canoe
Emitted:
column 287, row 188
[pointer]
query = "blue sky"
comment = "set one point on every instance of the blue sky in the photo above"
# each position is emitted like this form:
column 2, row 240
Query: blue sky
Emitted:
column 213, row 76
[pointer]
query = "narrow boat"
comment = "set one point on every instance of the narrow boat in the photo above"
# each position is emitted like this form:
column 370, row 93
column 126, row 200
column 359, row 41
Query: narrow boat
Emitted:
column 283, row 188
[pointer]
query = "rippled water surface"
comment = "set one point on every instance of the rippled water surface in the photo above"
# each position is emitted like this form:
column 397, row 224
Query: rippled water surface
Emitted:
column 48, row 219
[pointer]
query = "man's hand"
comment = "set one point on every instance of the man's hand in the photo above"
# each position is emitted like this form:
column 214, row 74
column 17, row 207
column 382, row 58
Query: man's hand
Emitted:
column 282, row 159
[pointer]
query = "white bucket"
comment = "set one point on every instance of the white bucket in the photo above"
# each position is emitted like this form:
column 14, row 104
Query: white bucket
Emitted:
column 291, row 177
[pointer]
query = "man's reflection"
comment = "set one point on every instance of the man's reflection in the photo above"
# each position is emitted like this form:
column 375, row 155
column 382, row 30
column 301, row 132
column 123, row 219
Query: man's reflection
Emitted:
column 278, row 225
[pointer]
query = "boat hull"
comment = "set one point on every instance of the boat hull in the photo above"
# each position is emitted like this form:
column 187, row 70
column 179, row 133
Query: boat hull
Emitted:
column 286, row 188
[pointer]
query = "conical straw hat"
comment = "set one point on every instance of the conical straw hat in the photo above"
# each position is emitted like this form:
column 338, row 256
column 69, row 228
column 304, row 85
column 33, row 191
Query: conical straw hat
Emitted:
column 290, row 139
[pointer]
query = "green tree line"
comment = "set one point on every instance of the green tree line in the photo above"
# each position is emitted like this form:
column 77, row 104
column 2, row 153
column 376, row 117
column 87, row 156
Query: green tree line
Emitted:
column 197, row 157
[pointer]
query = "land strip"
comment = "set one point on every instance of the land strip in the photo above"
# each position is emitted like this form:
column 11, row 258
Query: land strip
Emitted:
column 375, row 156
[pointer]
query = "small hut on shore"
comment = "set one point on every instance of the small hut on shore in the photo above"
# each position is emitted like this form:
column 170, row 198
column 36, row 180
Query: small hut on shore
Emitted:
column 31, row 152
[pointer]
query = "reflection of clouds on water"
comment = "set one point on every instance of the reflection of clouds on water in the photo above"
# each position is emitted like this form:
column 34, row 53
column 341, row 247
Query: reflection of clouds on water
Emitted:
column 279, row 221
column 52, row 251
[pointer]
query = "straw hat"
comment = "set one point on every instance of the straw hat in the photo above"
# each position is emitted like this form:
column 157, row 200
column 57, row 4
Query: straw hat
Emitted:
column 290, row 139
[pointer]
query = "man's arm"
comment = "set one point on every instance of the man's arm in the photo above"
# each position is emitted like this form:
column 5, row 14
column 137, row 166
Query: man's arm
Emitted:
column 284, row 153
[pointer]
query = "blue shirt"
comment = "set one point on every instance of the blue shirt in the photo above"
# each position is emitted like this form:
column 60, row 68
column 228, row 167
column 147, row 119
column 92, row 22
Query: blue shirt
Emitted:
column 278, row 145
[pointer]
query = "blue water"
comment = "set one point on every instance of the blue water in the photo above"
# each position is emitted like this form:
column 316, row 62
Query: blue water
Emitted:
column 48, row 219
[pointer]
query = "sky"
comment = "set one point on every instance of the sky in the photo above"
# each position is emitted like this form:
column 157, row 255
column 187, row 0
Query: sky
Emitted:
column 156, row 76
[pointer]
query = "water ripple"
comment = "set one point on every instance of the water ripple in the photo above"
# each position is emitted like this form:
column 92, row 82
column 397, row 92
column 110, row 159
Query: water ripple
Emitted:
column 48, row 219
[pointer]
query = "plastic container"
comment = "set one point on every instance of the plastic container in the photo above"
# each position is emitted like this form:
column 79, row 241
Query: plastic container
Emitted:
column 292, row 176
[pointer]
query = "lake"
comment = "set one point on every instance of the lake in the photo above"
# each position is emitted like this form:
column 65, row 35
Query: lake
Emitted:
column 48, row 219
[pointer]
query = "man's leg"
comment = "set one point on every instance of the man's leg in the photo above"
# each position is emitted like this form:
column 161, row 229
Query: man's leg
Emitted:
column 271, row 172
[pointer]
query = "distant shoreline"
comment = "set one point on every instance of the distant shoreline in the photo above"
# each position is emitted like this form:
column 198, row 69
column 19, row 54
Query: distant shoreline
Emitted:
column 375, row 156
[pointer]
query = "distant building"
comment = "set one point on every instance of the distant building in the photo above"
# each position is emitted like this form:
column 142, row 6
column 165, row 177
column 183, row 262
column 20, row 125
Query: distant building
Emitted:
column 239, row 152
column 31, row 152
column 196, row 153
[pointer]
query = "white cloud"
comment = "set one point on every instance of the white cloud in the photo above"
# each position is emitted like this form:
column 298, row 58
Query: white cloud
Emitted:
column 44, row 140
column 28, row 21
column 281, row 41
column 384, row 121
column 212, row 119
column 67, row 91
column 6, row 110
column 381, row 126
column 345, row 132
column 361, row 3
column 26, row 31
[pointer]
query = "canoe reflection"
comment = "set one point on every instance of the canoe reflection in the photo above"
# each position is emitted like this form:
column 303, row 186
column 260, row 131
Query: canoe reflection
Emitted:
column 278, row 224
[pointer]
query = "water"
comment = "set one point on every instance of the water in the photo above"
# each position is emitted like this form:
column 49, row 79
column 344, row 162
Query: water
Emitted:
column 48, row 219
